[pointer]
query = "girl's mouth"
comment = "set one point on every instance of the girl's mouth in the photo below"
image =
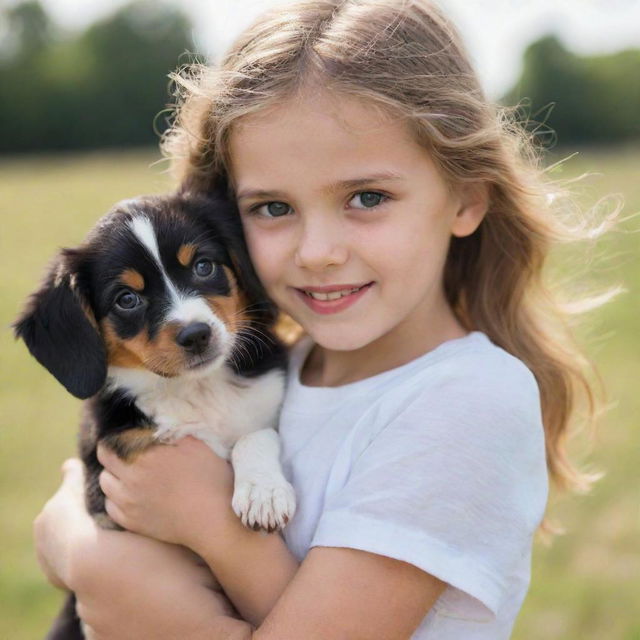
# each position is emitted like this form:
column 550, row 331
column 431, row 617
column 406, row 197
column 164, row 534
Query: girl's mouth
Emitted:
column 332, row 300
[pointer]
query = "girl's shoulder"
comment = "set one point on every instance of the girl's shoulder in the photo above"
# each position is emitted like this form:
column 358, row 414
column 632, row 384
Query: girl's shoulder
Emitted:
column 466, row 390
column 474, row 393
column 478, row 366
column 473, row 374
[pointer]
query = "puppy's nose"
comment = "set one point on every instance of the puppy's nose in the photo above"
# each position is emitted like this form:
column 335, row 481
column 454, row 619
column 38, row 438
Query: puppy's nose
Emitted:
column 194, row 337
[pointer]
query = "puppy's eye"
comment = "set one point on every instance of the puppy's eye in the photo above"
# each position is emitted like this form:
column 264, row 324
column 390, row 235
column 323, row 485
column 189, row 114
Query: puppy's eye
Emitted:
column 203, row 268
column 128, row 300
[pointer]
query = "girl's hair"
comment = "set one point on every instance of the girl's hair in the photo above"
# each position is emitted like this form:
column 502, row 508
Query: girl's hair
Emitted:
column 403, row 56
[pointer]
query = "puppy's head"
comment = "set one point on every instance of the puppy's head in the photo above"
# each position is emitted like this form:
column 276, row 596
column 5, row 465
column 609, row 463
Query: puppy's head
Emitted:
column 161, row 284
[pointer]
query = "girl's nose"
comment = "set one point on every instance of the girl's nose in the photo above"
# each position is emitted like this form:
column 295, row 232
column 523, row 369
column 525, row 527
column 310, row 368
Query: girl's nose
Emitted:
column 321, row 244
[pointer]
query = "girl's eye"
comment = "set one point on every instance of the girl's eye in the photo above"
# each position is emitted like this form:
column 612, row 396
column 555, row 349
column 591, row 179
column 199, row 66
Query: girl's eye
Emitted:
column 273, row 209
column 128, row 300
column 368, row 199
column 203, row 268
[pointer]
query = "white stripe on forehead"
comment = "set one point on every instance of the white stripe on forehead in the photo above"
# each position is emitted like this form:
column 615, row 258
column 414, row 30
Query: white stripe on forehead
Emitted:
column 184, row 309
column 143, row 230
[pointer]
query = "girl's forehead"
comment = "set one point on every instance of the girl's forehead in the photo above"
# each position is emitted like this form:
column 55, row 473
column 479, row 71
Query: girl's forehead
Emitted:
column 324, row 110
column 319, row 131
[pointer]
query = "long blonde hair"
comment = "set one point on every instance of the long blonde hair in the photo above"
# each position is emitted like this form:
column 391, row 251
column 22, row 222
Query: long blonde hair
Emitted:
column 405, row 57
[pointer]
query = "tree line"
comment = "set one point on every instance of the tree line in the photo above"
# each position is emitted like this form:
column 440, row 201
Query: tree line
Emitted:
column 108, row 86
column 101, row 88
column 582, row 99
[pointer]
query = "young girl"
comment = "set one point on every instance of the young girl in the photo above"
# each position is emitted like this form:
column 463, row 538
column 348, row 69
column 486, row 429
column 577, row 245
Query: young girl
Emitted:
column 400, row 220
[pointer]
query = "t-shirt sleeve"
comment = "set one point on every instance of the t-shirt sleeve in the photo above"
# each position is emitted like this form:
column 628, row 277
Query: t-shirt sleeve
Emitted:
column 455, row 484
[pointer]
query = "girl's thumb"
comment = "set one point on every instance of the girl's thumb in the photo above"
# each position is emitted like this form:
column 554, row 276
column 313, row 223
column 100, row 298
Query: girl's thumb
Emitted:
column 73, row 472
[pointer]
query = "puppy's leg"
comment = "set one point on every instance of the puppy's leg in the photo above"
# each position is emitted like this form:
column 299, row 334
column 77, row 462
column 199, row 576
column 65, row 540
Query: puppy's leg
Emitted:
column 67, row 626
column 130, row 443
column 262, row 497
column 127, row 444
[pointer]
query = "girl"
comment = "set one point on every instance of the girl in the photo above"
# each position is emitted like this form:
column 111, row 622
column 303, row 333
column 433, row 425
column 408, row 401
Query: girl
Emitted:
column 401, row 221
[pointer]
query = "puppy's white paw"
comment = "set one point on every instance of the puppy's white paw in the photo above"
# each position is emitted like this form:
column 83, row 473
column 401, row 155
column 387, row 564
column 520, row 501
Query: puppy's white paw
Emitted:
column 268, row 503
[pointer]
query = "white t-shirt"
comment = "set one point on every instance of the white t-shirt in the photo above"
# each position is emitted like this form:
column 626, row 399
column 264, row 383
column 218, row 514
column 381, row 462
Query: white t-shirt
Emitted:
column 439, row 463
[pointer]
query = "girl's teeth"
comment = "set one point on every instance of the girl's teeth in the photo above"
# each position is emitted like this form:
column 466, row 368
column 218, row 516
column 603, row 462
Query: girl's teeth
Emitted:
column 334, row 295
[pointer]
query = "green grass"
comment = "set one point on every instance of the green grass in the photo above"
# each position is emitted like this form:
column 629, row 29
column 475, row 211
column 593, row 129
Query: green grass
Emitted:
column 45, row 203
column 586, row 586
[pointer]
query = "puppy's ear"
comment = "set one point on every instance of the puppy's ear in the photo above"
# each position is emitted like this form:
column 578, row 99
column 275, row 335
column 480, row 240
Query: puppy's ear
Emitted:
column 207, row 185
column 260, row 306
column 60, row 330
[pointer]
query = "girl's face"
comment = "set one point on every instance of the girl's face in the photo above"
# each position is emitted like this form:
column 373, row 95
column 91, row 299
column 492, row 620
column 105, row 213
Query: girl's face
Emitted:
column 347, row 220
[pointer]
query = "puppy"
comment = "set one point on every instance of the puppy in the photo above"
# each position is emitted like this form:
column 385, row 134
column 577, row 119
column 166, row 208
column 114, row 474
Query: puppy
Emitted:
column 160, row 323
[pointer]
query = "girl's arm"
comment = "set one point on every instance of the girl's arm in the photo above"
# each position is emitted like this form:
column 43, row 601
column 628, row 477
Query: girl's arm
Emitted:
column 130, row 587
column 183, row 493
column 352, row 595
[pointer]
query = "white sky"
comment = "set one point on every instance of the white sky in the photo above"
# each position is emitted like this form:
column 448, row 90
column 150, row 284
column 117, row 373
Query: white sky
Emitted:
column 496, row 31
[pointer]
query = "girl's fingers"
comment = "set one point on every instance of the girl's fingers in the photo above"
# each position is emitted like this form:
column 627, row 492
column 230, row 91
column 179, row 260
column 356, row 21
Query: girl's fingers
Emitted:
column 73, row 478
column 109, row 460
column 62, row 522
column 114, row 512
column 72, row 466
column 110, row 485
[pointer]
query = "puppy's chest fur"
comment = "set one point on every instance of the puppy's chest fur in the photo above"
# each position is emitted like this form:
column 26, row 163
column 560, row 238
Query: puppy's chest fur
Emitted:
column 218, row 409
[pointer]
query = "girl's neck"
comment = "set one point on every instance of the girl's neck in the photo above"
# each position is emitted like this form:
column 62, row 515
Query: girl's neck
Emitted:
column 327, row 368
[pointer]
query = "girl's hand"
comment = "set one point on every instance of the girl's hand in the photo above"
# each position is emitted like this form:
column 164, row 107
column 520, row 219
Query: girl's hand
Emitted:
column 135, row 588
column 131, row 587
column 160, row 590
column 177, row 493
column 61, row 524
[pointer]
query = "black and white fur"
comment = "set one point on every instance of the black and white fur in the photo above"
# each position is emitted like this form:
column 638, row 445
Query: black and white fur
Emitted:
column 159, row 321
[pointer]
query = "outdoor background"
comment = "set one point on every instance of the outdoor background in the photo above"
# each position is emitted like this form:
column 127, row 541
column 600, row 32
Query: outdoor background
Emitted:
column 82, row 98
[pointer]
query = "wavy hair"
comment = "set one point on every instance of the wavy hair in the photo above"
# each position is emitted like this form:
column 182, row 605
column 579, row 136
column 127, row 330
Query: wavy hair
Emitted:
column 405, row 57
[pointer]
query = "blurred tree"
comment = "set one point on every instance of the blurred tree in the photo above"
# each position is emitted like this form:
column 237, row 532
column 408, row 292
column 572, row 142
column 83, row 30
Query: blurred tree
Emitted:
column 102, row 88
column 586, row 99
column 29, row 26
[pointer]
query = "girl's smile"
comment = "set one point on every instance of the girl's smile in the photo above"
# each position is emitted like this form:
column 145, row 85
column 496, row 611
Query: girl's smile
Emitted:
column 333, row 298
column 348, row 223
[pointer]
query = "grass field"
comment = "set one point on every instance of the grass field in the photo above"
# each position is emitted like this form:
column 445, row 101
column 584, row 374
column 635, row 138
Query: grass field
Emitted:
column 586, row 586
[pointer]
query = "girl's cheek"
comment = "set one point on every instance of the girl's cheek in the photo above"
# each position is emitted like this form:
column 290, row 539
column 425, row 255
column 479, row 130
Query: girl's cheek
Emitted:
column 267, row 251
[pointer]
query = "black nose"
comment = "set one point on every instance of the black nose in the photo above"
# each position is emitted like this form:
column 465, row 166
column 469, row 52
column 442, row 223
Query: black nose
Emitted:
column 194, row 337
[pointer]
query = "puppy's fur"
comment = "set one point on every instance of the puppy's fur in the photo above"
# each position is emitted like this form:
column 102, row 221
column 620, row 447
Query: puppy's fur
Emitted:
column 159, row 321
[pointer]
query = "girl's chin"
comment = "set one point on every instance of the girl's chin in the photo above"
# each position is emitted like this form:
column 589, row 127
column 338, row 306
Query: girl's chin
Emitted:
column 335, row 339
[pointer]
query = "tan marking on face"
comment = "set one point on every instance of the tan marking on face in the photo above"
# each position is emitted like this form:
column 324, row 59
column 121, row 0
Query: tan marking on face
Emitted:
column 133, row 279
column 230, row 309
column 130, row 443
column 162, row 355
column 186, row 253
column 63, row 277
column 89, row 314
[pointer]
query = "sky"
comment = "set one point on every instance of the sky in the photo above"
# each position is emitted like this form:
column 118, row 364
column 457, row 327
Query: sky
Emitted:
column 496, row 31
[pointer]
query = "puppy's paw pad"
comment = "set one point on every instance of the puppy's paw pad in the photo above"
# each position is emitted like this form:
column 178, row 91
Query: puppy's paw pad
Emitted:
column 264, row 505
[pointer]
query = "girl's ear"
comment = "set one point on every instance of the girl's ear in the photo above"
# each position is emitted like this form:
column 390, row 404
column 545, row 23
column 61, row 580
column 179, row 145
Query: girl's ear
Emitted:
column 60, row 331
column 474, row 203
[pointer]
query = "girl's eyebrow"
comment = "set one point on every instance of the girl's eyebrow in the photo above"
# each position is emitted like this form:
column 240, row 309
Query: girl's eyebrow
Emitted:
column 386, row 176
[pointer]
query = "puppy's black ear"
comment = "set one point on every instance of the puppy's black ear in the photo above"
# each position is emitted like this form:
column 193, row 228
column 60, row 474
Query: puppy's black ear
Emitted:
column 205, row 184
column 60, row 330
column 260, row 306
